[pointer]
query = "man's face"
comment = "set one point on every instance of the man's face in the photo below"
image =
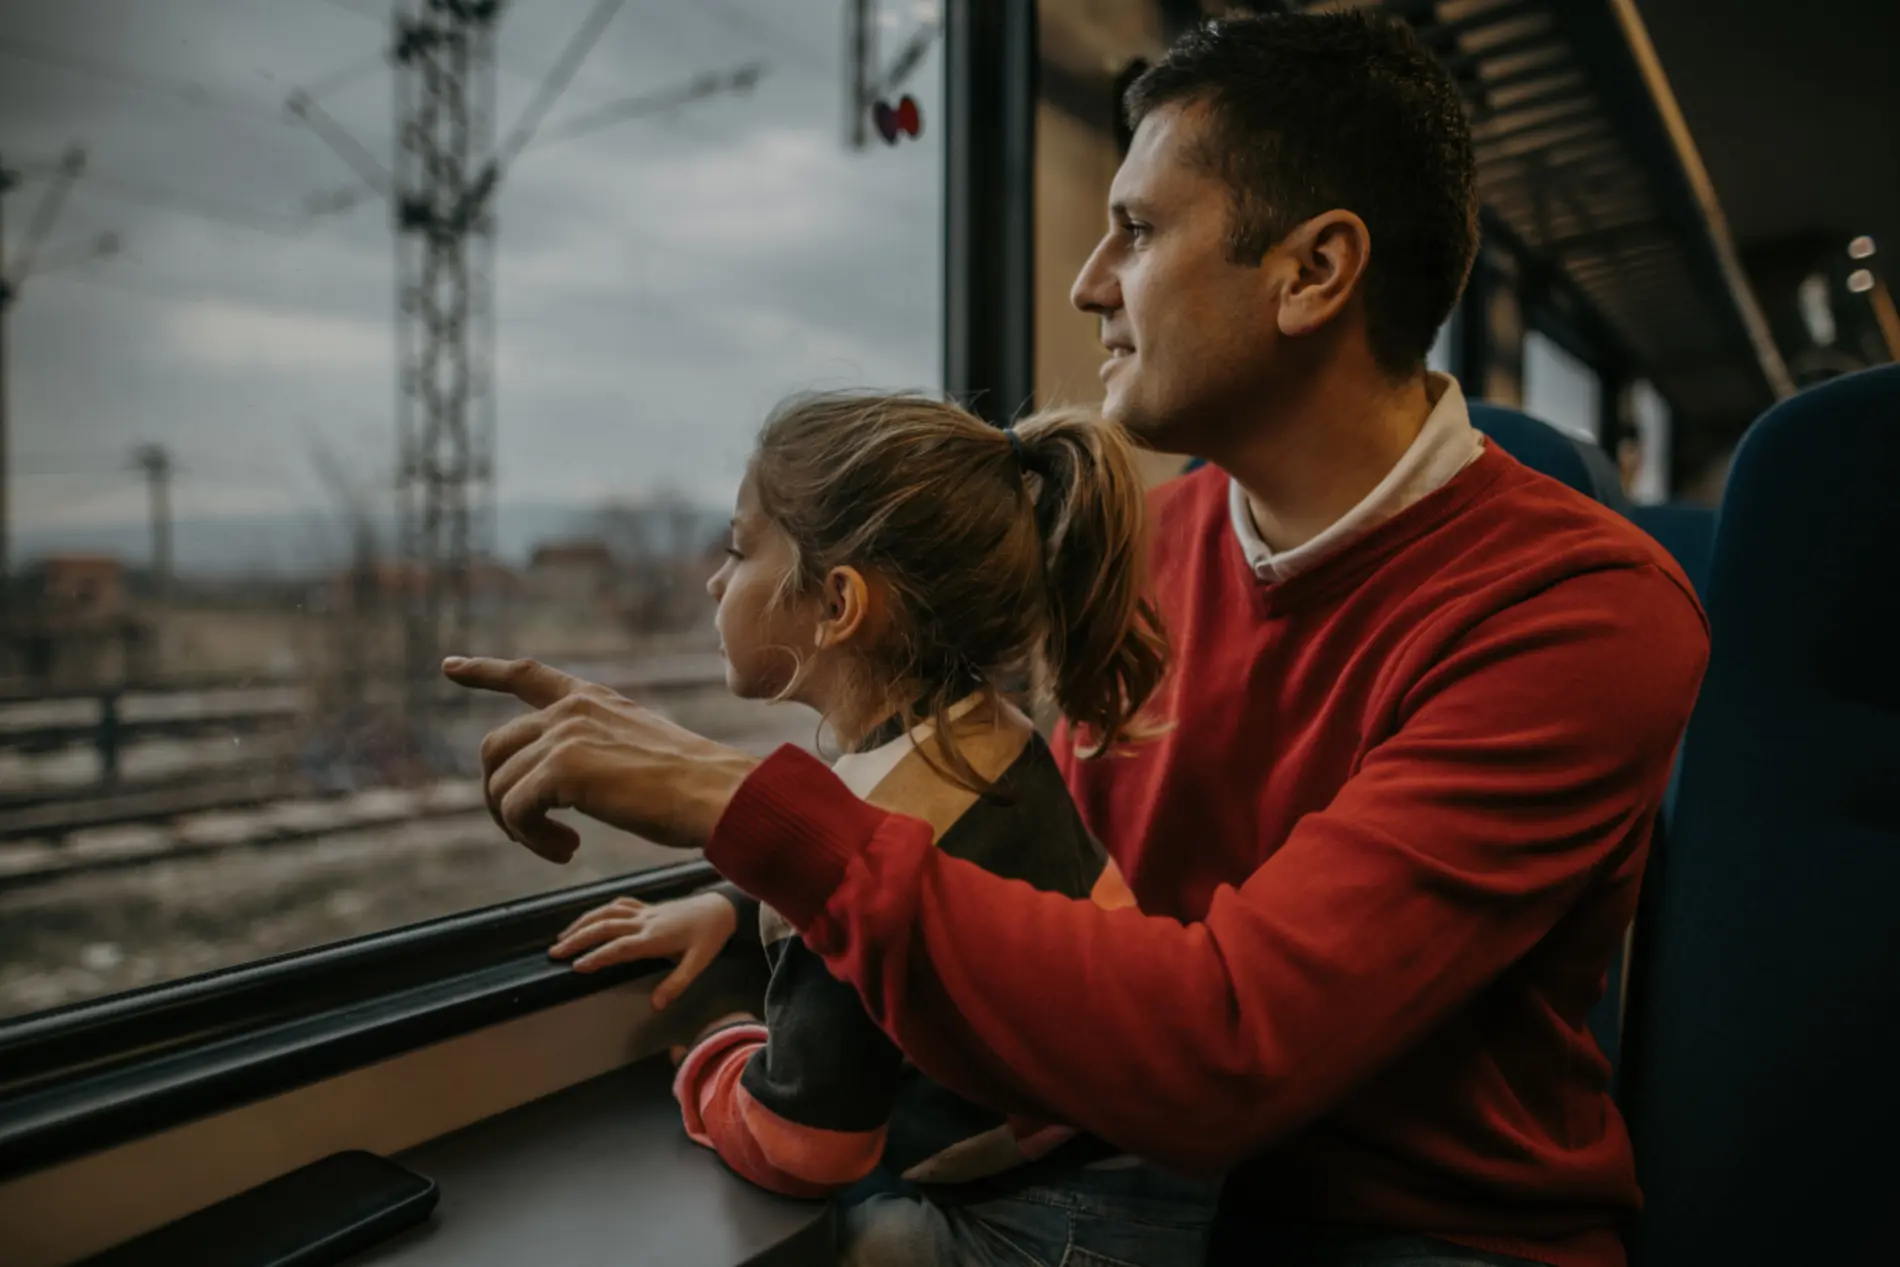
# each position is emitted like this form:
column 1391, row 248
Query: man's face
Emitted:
column 1191, row 335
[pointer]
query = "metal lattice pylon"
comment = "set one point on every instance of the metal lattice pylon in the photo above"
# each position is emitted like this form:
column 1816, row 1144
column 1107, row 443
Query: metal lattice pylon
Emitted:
column 445, row 408
column 448, row 171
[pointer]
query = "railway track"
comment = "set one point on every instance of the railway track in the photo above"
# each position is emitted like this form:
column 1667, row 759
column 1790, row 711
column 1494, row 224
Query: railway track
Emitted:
column 267, row 805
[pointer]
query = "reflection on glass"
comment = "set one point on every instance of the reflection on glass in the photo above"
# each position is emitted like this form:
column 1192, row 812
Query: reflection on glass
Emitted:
column 1439, row 357
column 215, row 739
column 1649, row 485
column 1561, row 389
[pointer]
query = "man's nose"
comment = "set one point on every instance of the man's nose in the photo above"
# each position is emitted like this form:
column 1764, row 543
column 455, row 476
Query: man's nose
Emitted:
column 1096, row 291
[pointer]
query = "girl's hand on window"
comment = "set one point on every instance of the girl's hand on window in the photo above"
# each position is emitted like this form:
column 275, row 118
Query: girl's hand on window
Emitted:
column 691, row 931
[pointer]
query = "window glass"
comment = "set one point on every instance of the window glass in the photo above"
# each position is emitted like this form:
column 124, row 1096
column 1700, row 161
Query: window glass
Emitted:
column 1649, row 484
column 1439, row 358
column 267, row 257
column 1559, row 388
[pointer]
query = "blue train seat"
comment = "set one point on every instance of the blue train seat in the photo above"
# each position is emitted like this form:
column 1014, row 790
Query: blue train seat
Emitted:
column 1588, row 469
column 1765, row 1016
column 1687, row 532
column 1540, row 446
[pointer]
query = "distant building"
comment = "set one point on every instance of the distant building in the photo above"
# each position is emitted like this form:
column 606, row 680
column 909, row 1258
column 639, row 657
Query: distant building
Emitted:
column 78, row 587
column 380, row 584
column 572, row 573
column 75, row 626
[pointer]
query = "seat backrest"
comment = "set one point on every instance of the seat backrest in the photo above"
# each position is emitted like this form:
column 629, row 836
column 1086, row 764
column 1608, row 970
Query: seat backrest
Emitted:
column 1686, row 531
column 1543, row 448
column 1589, row 470
column 1760, row 1080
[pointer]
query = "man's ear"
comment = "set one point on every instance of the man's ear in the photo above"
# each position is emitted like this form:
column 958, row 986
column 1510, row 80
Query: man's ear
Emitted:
column 1329, row 255
column 847, row 607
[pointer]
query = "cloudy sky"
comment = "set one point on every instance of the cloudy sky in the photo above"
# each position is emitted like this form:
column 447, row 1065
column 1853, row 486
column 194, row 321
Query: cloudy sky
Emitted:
column 659, row 283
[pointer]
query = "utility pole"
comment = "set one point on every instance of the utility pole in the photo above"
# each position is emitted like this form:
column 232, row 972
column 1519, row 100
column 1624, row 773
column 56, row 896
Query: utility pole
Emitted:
column 7, row 181
column 861, row 70
column 865, row 83
column 156, row 461
column 445, row 225
column 12, row 278
column 359, row 619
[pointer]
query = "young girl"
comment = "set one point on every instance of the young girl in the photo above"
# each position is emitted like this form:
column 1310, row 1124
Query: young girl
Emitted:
column 895, row 562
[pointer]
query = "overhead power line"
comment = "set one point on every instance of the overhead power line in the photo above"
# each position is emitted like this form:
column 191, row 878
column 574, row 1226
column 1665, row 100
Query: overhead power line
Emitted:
column 358, row 11
column 140, row 194
column 559, row 76
column 13, row 276
column 174, row 90
column 711, row 84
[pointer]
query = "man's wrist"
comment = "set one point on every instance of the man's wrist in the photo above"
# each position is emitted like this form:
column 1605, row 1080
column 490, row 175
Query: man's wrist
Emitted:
column 705, row 788
column 789, row 833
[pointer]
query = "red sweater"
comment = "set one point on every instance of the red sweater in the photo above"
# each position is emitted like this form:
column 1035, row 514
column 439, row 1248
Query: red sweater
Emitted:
column 1383, row 859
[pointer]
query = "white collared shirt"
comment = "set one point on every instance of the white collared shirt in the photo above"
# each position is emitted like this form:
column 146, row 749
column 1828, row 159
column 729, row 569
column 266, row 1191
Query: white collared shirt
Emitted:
column 863, row 771
column 1446, row 445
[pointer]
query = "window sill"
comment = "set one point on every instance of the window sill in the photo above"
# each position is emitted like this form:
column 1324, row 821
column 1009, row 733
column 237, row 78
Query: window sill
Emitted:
column 600, row 1173
column 95, row 1075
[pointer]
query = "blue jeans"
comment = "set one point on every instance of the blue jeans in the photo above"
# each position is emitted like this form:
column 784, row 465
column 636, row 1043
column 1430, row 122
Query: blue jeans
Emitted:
column 1112, row 1216
column 1345, row 1247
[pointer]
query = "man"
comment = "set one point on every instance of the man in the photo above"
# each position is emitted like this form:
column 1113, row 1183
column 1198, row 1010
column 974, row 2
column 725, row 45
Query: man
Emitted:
column 1423, row 713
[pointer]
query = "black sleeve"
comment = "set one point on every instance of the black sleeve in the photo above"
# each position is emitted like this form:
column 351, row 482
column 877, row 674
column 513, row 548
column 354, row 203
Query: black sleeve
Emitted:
column 826, row 1064
column 748, row 909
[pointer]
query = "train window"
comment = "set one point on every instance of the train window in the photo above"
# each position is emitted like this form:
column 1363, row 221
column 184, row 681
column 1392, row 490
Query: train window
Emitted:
column 1560, row 388
column 347, row 335
column 1441, row 357
column 1650, row 413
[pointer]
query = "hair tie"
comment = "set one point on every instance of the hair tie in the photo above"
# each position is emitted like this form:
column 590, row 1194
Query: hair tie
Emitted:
column 1016, row 447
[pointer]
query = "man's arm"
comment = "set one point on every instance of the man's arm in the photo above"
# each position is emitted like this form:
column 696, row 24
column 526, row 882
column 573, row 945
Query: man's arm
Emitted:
column 1532, row 757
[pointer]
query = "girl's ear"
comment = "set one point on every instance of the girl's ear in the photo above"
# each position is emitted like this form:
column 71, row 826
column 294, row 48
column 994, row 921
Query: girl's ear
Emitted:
column 846, row 608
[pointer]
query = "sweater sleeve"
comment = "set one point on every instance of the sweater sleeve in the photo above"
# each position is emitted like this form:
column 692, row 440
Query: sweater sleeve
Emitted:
column 1528, row 758
column 800, row 1104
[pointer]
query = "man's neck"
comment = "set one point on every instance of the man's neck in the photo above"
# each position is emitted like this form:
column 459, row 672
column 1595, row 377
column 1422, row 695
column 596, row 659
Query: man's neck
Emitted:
column 1329, row 446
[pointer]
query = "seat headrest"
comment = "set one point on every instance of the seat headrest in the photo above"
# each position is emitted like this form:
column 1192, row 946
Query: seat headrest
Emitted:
column 1686, row 531
column 1548, row 451
column 1806, row 561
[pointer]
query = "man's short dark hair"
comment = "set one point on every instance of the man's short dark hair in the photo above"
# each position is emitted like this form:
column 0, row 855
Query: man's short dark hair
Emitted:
column 1312, row 112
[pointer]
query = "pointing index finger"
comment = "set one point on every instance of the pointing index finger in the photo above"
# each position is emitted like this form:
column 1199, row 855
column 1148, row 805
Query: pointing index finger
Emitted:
column 531, row 682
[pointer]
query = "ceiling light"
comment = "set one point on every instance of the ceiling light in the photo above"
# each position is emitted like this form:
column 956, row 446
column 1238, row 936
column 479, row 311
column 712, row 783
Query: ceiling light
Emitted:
column 1861, row 247
column 1816, row 313
column 1860, row 281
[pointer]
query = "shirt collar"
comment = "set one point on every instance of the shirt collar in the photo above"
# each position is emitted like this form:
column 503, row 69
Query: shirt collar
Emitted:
column 863, row 771
column 1445, row 446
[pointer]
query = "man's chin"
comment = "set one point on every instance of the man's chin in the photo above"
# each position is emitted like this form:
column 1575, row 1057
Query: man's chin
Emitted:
column 1141, row 426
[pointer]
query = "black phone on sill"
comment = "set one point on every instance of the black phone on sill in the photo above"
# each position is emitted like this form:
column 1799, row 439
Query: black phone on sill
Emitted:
column 313, row 1216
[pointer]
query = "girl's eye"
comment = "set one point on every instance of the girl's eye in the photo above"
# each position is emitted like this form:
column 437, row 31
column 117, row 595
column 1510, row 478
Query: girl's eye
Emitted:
column 733, row 553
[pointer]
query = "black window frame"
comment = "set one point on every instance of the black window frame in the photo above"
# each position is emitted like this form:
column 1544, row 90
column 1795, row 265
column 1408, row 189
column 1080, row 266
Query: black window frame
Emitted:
column 990, row 90
column 98, row 1073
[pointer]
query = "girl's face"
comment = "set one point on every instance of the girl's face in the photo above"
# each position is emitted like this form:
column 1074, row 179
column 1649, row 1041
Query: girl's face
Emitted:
column 763, row 644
